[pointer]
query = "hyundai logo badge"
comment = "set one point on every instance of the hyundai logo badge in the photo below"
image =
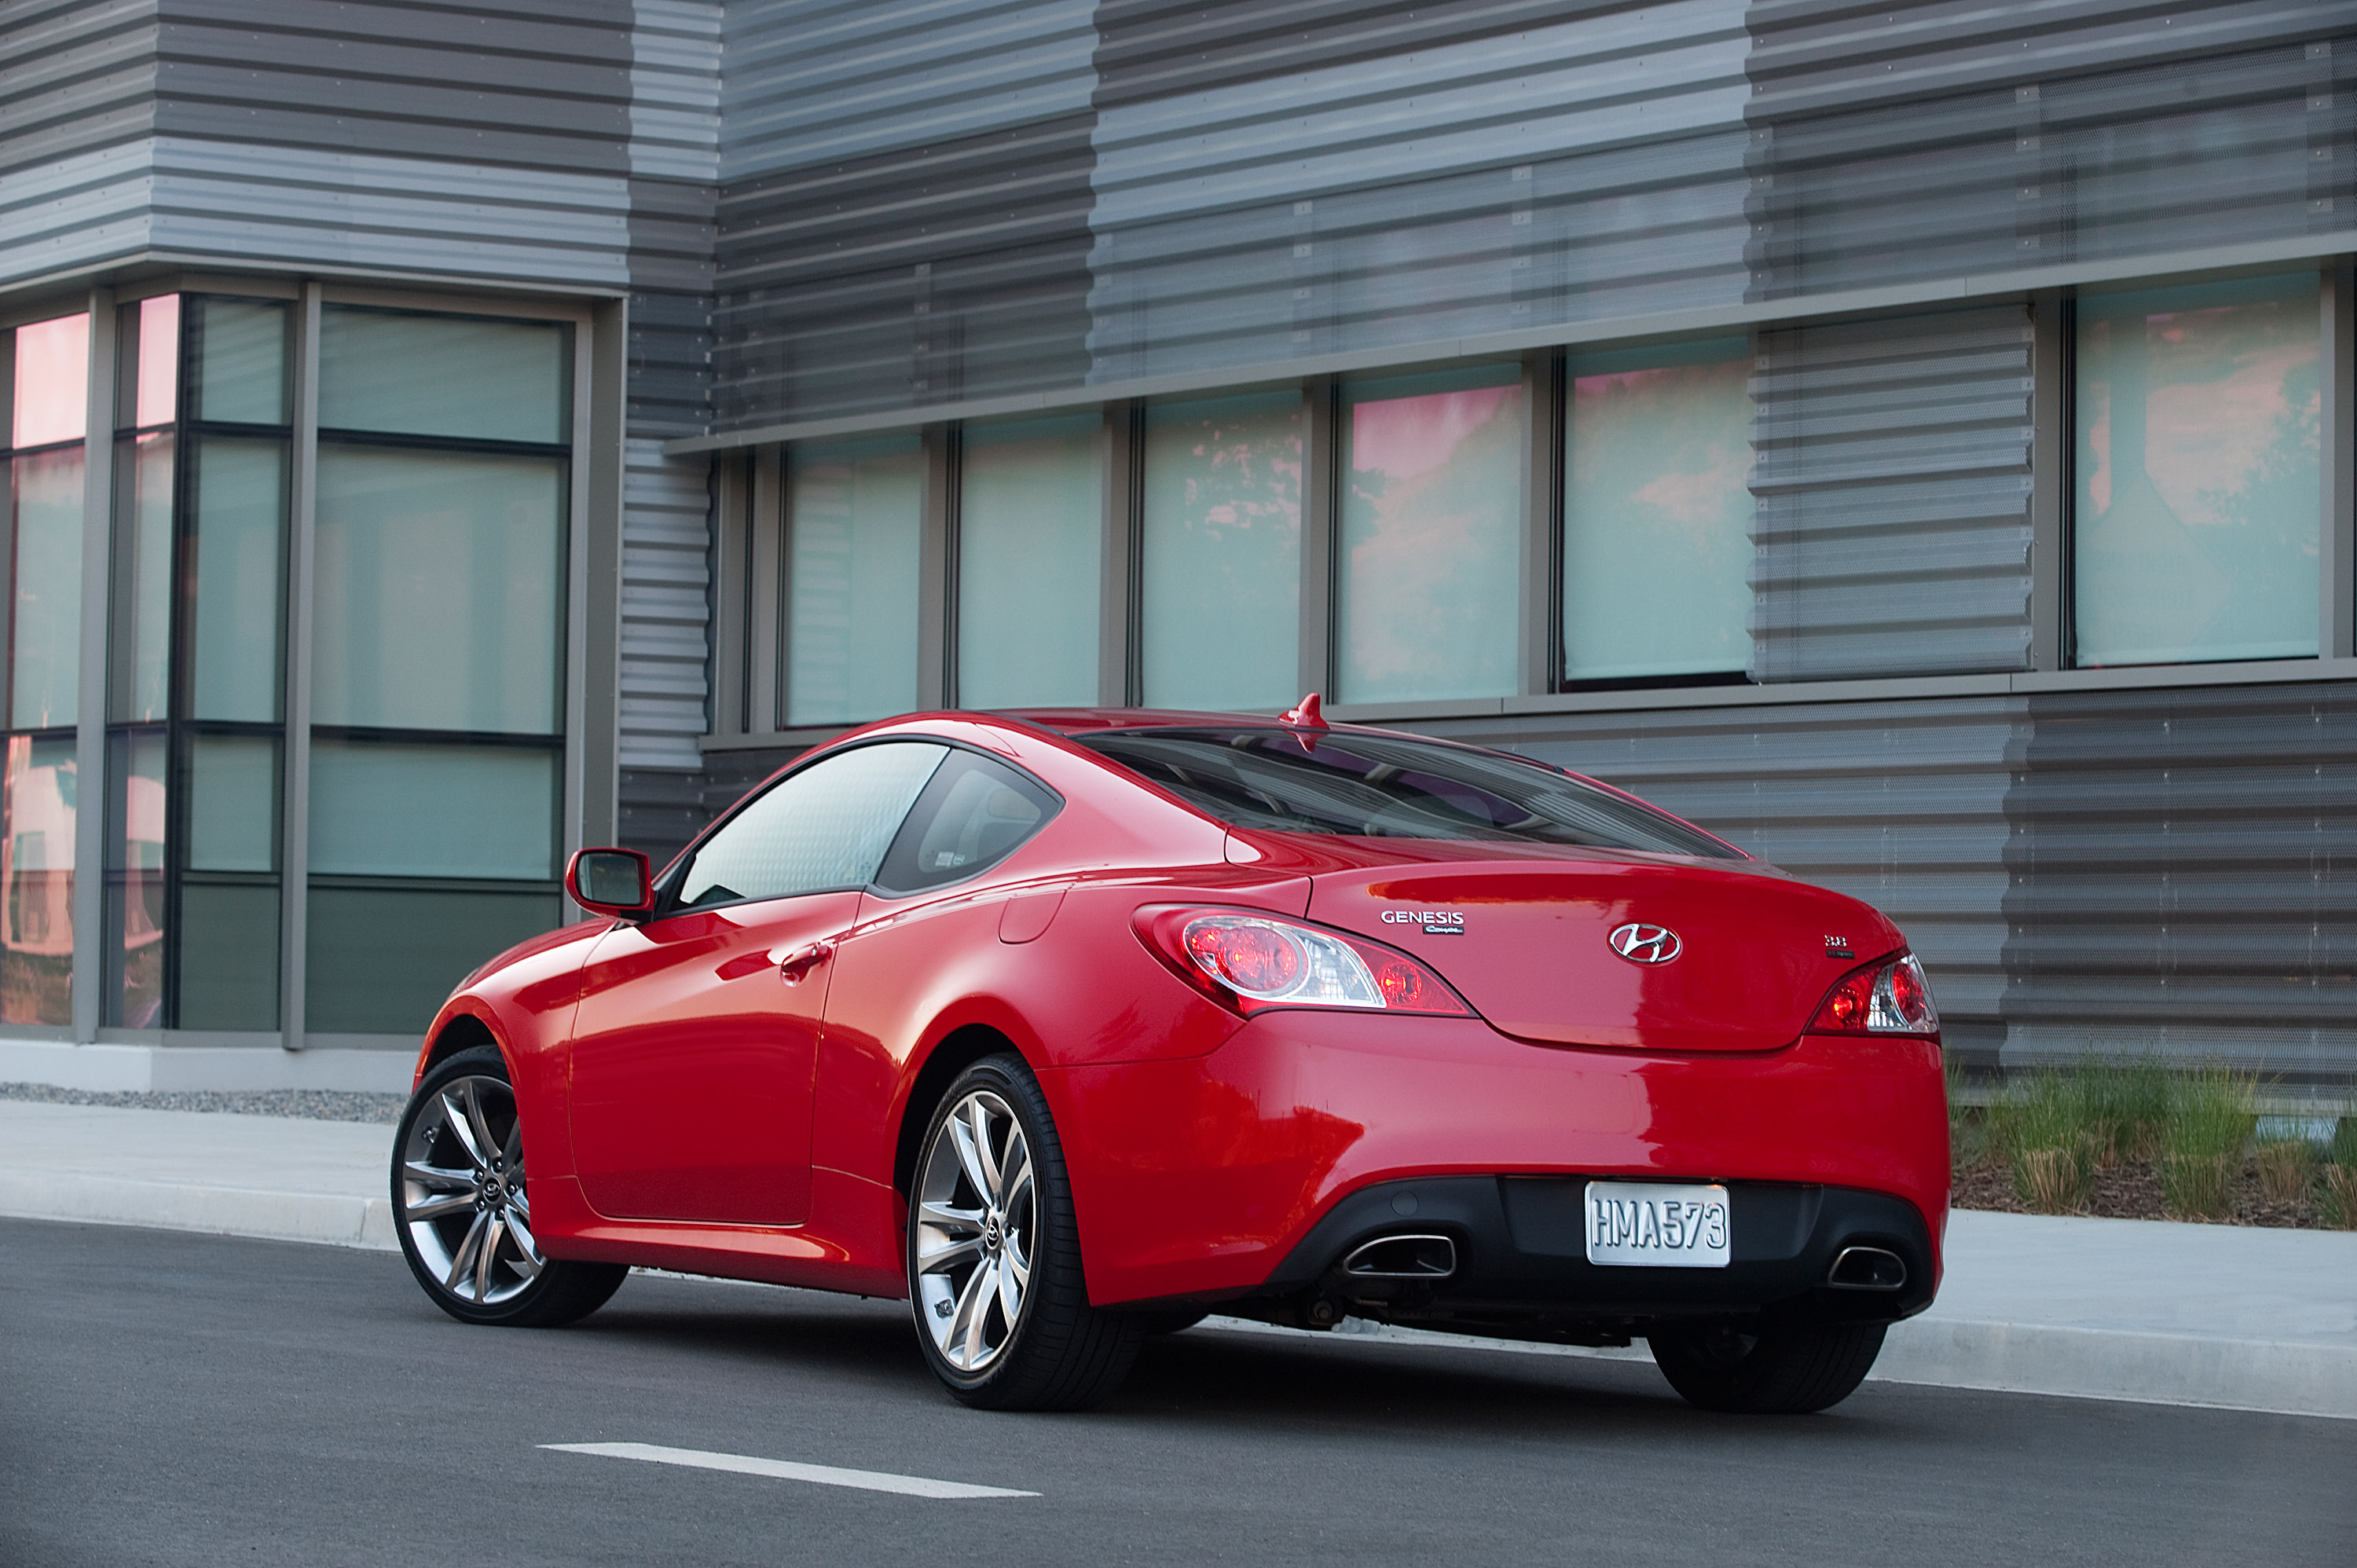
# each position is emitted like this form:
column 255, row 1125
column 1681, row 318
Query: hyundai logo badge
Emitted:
column 1642, row 943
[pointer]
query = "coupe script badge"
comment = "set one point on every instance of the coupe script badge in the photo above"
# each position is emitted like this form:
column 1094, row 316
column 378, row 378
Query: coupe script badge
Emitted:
column 1642, row 943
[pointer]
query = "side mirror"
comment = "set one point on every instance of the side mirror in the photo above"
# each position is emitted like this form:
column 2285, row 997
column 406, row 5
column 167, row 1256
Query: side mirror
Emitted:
column 611, row 881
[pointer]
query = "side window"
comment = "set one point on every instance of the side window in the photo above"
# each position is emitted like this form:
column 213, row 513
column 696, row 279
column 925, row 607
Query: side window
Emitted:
column 826, row 826
column 974, row 814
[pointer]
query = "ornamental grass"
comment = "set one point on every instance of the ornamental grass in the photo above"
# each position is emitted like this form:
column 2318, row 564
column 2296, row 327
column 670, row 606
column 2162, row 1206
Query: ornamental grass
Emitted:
column 2213, row 1112
column 2287, row 1168
column 2042, row 1126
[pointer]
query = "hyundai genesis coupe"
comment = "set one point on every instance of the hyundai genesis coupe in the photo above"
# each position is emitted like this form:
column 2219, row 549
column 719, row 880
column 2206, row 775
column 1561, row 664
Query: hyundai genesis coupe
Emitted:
column 1072, row 1027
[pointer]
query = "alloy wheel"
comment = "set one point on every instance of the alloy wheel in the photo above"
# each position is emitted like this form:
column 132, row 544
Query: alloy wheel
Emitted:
column 462, row 1192
column 977, row 1224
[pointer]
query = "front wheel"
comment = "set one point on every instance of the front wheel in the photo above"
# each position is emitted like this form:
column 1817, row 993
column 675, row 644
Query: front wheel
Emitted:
column 994, row 1254
column 1771, row 1370
column 463, row 1208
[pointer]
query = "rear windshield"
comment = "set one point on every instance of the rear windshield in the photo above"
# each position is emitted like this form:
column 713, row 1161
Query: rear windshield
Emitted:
column 1365, row 786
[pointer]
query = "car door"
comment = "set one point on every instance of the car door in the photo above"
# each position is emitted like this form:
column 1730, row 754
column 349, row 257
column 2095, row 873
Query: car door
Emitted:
column 695, row 1042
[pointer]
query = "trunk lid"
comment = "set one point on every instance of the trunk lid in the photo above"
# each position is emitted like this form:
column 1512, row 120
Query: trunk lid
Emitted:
column 1527, row 940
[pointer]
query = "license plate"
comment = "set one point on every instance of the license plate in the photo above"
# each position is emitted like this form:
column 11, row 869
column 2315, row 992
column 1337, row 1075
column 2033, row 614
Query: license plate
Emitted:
column 1656, row 1225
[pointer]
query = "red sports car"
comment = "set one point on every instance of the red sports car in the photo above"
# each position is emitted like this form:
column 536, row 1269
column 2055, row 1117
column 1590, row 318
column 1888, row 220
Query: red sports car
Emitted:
column 1073, row 1026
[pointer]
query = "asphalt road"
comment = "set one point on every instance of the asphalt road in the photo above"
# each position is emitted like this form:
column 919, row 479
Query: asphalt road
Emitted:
column 185, row 1399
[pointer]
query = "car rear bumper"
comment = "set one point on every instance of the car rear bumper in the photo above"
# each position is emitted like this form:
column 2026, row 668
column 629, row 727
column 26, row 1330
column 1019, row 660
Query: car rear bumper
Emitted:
column 1517, row 1250
column 1205, row 1179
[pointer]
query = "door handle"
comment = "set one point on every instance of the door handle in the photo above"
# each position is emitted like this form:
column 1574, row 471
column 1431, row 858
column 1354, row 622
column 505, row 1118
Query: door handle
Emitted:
column 796, row 966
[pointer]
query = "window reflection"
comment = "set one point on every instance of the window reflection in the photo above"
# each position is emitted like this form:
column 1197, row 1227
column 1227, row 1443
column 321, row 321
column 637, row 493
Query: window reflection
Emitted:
column 52, row 386
column 135, row 881
column 36, row 863
column 2198, row 475
column 1220, row 576
column 158, row 376
column 1431, row 536
column 45, row 589
column 1657, row 514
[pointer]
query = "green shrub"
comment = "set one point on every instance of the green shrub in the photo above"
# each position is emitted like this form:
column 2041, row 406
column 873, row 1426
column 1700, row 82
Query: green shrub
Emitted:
column 2041, row 1124
column 2212, row 1113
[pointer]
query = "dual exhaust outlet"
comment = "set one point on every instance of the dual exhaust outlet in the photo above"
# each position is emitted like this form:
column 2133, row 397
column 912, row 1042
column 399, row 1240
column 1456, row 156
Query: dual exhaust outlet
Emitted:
column 1434, row 1257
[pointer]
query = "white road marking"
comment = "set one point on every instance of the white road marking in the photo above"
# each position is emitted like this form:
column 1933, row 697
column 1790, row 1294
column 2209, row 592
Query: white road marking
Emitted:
column 787, row 1470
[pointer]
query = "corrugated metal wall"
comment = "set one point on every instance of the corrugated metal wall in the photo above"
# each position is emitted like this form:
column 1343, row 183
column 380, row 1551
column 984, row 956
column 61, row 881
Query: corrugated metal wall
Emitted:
column 1892, row 530
column 77, row 111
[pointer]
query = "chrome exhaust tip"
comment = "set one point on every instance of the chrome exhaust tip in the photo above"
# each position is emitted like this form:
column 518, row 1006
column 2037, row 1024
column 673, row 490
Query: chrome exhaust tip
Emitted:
column 1867, row 1268
column 1402, row 1258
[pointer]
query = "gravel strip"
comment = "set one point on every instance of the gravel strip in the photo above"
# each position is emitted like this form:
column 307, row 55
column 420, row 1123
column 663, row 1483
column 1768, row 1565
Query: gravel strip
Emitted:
column 311, row 1104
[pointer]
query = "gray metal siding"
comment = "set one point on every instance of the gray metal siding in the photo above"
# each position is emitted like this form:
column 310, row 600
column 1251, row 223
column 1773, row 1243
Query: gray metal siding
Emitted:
column 1892, row 479
column 666, row 550
column 76, row 108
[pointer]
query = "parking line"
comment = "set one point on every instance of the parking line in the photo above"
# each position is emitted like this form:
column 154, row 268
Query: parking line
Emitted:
column 787, row 1470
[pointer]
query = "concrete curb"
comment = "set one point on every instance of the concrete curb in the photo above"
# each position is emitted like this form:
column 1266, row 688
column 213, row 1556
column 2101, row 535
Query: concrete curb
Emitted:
column 2130, row 1365
column 341, row 1222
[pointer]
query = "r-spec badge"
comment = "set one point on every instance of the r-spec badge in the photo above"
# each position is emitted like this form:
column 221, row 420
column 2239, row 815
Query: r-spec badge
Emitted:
column 1642, row 943
column 1435, row 922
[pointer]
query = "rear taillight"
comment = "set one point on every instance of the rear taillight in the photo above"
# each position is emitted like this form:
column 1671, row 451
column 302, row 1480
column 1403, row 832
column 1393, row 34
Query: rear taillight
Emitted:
column 1251, row 962
column 1886, row 997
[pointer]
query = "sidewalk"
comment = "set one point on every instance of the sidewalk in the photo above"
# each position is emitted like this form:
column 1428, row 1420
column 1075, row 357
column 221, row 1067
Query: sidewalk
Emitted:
column 2126, row 1309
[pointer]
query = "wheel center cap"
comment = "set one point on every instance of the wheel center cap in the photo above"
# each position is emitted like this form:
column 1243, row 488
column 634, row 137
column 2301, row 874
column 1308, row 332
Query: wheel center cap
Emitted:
column 991, row 1235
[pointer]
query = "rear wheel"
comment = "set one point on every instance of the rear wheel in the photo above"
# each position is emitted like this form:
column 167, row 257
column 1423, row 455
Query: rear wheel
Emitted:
column 1778, row 1369
column 994, row 1280
column 463, row 1209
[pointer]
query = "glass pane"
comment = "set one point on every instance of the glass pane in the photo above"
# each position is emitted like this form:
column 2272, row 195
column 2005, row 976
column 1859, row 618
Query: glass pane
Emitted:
column 855, row 527
column 155, row 387
column 433, row 810
column 974, row 813
column 229, row 956
column 142, row 579
column 1221, row 566
column 238, row 556
column 234, row 802
column 135, row 880
column 440, row 590
column 37, row 857
column 1656, row 517
column 45, row 633
column 1429, row 600
column 240, row 349
column 826, row 826
column 380, row 959
column 443, row 375
column 1029, row 546
column 2198, row 487
column 52, row 382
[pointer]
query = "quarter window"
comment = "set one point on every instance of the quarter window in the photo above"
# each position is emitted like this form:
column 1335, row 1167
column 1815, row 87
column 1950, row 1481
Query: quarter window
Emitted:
column 974, row 814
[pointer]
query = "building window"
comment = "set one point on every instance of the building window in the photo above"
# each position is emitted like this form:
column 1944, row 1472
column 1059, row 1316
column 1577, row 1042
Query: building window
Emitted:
column 853, row 542
column 2197, row 473
column 438, row 655
column 1657, row 514
column 1030, row 551
column 1430, row 538
column 47, row 378
column 1220, row 564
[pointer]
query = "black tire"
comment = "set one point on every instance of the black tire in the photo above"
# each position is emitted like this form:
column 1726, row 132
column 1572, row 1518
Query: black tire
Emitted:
column 505, row 1291
column 1059, row 1352
column 1787, row 1369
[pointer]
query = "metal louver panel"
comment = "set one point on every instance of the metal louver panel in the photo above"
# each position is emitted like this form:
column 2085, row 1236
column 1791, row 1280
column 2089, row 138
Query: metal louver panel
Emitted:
column 1892, row 531
column 2184, row 876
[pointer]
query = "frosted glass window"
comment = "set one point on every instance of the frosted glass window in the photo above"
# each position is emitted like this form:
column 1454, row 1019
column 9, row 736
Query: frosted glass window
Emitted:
column 380, row 960
column 444, row 375
column 440, row 590
column 238, row 554
column 134, row 883
column 229, row 956
column 155, row 377
column 853, row 521
column 234, row 802
column 45, row 588
column 1220, row 559
column 826, row 826
column 37, row 867
column 1429, row 597
column 1656, row 514
column 2198, row 475
column 142, row 579
column 433, row 810
column 52, row 382
column 241, row 351
column 1031, row 546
